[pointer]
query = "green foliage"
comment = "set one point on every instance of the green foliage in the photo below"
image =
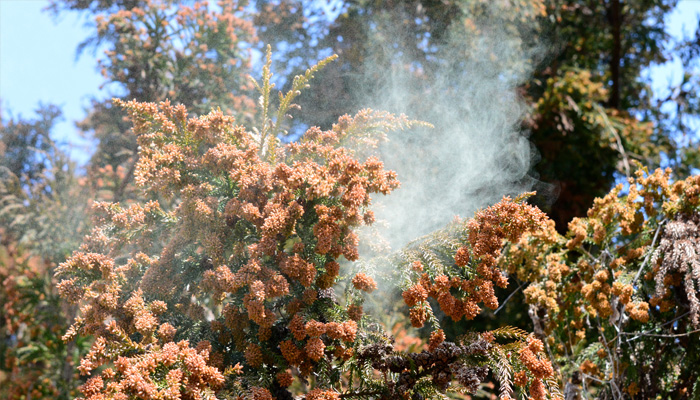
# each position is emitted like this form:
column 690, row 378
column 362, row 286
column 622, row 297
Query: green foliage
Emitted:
column 40, row 201
column 272, row 128
column 42, row 206
column 34, row 361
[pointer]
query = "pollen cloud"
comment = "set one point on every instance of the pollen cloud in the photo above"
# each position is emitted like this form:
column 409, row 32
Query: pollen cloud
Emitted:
column 477, row 151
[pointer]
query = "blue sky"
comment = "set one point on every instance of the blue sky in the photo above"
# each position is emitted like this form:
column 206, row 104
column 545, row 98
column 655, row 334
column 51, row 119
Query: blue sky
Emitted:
column 38, row 64
column 682, row 22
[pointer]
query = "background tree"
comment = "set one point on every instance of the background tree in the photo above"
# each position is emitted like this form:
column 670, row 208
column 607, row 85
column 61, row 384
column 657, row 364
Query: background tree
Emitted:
column 41, row 222
column 195, row 54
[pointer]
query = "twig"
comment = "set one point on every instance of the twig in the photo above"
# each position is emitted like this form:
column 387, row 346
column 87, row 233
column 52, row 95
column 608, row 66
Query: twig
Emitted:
column 587, row 376
column 358, row 394
column 617, row 394
column 639, row 334
column 127, row 178
column 650, row 330
column 508, row 298
column 651, row 251
column 618, row 139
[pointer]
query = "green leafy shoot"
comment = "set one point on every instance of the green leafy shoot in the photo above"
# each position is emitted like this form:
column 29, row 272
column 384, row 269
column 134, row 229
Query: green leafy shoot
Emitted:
column 270, row 128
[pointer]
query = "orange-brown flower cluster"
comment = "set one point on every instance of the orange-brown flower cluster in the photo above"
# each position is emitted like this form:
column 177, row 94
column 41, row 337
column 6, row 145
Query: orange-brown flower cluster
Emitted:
column 321, row 394
column 639, row 311
column 597, row 294
column 505, row 220
column 364, row 282
column 258, row 393
column 436, row 338
column 414, row 295
column 520, row 379
column 418, row 315
column 622, row 291
column 300, row 270
column 462, row 257
column 540, row 367
column 458, row 292
column 285, row 379
column 102, row 297
column 345, row 331
column 291, row 353
column 590, row 368
column 188, row 373
column 253, row 355
column 417, row 266
column 314, row 348
column 328, row 279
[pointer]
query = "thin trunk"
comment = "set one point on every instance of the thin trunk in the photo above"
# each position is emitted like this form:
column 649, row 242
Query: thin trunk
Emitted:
column 615, row 16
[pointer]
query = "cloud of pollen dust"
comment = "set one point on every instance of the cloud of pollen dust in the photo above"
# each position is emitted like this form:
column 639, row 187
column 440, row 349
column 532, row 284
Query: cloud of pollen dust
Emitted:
column 477, row 151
